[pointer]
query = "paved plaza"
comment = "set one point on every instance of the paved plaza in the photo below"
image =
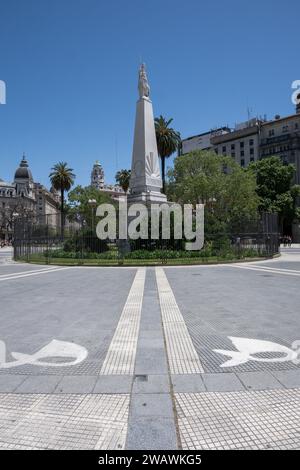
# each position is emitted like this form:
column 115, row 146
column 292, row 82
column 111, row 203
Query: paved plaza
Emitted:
column 200, row 357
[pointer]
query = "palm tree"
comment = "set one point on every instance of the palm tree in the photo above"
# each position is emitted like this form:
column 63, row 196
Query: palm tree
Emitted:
column 123, row 179
column 62, row 178
column 168, row 141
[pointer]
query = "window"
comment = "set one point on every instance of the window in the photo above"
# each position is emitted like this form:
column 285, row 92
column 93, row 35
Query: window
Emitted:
column 271, row 132
column 224, row 149
column 242, row 145
column 233, row 154
column 285, row 128
column 251, row 142
column 242, row 162
column 232, row 146
column 252, row 151
column 251, row 159
column 242, row 153
column 296, row 125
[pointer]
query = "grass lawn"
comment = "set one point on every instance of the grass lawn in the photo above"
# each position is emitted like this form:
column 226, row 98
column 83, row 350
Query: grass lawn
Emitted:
column 37, row 259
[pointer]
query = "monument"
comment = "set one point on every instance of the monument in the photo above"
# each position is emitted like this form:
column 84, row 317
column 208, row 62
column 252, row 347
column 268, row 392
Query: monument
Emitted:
column 145, row 181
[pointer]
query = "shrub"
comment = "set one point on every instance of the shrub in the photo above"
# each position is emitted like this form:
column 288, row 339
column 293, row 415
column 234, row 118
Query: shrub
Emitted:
column 225, row 252
column 85, row 241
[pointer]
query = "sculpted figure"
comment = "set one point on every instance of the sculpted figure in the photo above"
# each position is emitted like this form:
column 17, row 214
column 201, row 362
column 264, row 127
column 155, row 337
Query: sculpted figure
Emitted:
column 144, row 88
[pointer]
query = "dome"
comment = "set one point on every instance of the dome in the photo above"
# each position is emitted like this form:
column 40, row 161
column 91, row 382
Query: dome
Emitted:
column 23, row 172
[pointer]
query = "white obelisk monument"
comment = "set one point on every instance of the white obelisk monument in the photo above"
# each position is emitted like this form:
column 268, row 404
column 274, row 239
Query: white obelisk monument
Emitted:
column 145, row 181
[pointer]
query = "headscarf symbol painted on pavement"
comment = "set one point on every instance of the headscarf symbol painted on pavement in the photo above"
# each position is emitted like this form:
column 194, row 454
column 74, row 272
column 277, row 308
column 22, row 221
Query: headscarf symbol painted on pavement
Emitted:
column 247, row 348
column 54, row 349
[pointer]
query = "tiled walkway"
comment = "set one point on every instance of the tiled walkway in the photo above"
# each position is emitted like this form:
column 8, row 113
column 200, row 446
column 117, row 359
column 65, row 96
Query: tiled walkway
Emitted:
column 240, row 420
column 73, row 421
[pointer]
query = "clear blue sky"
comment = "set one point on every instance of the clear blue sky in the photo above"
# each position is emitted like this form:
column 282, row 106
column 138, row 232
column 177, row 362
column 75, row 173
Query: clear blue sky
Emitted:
column 71, row 72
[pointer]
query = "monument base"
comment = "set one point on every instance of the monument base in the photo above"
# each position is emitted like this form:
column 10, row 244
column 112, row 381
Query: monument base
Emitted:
column 149, row 197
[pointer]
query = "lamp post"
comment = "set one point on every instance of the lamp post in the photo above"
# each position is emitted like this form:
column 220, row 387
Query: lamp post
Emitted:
column 15, row 216
column 92, row 203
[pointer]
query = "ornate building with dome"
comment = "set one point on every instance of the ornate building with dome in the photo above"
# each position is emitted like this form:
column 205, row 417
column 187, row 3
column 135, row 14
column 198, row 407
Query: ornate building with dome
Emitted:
column 97, row 176
column 24, row 196
column 97, row 181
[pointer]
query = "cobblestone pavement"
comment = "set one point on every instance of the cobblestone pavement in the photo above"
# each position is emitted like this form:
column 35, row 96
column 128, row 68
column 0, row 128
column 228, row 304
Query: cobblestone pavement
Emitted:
column 99, row 358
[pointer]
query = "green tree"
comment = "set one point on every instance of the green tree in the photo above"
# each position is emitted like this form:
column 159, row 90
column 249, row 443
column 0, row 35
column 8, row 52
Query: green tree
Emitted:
column 62, row 179
column 226, row 189
column 123, row 179
column 168, row 141
column 276, row 190
column 79, row 207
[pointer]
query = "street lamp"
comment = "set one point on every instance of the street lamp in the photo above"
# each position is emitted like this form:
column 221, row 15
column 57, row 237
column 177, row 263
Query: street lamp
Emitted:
column 92, row 203
column 15, row 216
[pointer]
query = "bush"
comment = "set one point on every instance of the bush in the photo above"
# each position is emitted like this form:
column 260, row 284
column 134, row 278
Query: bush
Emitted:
column 224, row 252
column 85, row 241
column 80, row 254
column 84, row 244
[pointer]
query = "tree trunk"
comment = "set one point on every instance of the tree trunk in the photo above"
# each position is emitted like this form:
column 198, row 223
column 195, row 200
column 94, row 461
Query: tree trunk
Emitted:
column 62, row 214
column 163, row 173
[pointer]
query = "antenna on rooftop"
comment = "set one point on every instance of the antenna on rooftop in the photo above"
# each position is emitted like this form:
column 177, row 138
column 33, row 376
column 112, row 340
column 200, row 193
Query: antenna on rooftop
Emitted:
column 249, row 111
column 116, row 150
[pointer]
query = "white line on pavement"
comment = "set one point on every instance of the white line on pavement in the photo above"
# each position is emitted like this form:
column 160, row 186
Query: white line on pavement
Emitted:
column 46, row 271
column 275, row 269
column 268, row 270
column 121, row 354
column 183, row 358
column 28, row 272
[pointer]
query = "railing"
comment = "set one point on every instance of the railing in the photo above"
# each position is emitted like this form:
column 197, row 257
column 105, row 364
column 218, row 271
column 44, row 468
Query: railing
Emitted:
column 42, row 242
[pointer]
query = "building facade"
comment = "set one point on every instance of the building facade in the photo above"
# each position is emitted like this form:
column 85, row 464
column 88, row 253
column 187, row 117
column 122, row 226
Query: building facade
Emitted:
column 281, row 137
column 201, row 141
column 257, row 139
column 24, row 197
column 241, row 143
column 97, row 176
column 47, row 204
column 97, row 181
column 253, row 140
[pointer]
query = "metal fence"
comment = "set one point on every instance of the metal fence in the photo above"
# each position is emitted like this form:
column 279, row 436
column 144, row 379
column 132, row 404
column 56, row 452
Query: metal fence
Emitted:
column 41, row 240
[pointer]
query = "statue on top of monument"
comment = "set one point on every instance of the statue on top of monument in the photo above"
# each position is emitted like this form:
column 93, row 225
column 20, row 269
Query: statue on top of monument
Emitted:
column 144, row 88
